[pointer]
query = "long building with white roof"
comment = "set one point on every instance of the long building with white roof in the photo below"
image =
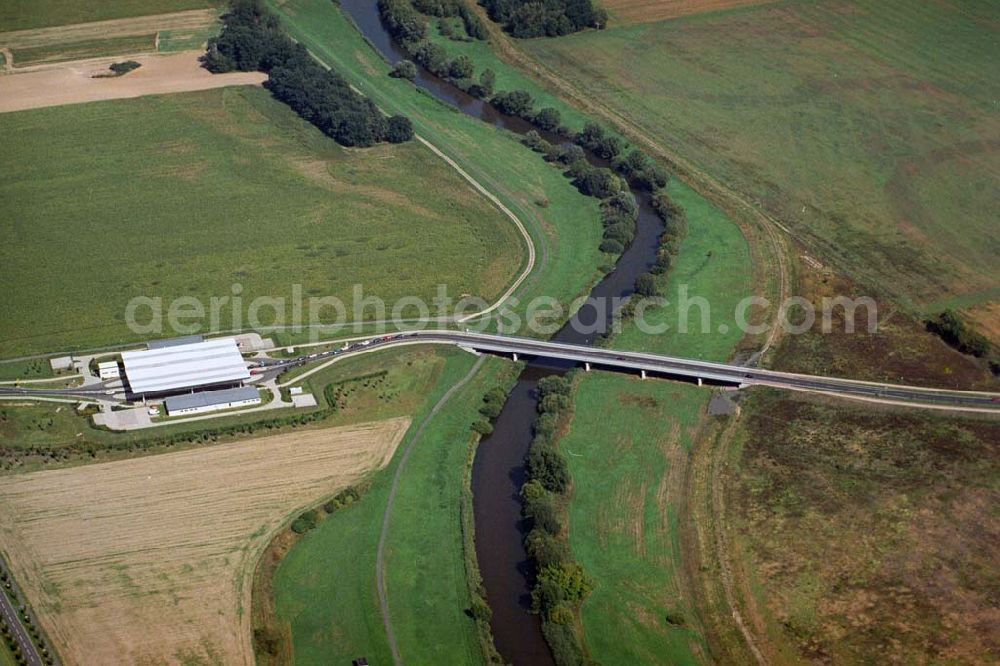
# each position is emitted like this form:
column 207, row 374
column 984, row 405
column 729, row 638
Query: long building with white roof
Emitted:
column 184, row 367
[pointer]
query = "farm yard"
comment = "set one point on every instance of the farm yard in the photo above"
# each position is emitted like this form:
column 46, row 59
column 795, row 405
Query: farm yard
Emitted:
column 171, row 196
column 797, row 103
column 151, row 559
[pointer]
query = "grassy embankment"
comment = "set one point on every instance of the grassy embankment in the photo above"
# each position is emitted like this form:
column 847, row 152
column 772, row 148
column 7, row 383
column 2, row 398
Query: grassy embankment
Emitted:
column 160, row 197
column 337, row 616
column 27, row 14
column 795, row 104
column 564, row 224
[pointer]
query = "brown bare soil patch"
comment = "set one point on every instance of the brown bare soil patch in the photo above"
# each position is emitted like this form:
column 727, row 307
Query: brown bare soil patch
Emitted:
column 986, row 318
column 150, row 560
column 73, row 82
column 648, row 11
column 80, row 32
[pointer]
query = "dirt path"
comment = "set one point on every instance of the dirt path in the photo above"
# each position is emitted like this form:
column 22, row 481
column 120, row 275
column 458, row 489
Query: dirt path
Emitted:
column 73, row 82
column 383, row 601
column 79, row 32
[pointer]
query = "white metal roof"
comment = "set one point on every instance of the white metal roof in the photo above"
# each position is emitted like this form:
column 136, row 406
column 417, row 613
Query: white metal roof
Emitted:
column 184, row 366
column 107, row 364
column 209, row 398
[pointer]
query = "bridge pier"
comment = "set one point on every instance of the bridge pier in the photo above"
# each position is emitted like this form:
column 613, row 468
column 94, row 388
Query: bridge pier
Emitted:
column 699, row 381
column 642, row 373
column 515, row 357
column 586, row 366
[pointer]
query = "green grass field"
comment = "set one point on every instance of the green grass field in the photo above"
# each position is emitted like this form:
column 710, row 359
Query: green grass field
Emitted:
column 714, row 265
column 187, row 195
column 867, row 127
column 626, row 449
column 325, row 586
column 25, row 14
column 564, row 224
column 93, row 48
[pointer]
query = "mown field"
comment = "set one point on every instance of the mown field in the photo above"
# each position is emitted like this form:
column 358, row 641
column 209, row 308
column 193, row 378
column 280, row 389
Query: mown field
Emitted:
column 865, row 127
column 627, row 449
column 26, row 14
column 189, row 194
column 868, row 531
column 324, row 589
column 564, row 224
column 150, row 560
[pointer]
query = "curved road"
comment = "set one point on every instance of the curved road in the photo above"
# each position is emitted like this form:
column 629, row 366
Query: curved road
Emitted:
column 672, row 366
column 657, row 364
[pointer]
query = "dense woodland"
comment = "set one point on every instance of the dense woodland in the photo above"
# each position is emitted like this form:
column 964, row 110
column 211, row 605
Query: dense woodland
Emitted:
column 252, row 40
column 548, row 18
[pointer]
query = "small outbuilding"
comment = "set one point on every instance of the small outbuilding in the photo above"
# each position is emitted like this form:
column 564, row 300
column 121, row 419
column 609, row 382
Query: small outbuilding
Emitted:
column 61, row 363
column 108, row 370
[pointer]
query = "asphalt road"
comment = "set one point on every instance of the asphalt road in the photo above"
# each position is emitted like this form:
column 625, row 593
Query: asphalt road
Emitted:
column 656, row 364
column 24, row 640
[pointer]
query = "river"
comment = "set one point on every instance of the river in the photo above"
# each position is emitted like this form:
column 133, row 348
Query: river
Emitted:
column 499, row 468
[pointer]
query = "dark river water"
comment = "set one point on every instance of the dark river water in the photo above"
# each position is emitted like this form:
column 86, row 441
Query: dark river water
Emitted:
column 499, row 467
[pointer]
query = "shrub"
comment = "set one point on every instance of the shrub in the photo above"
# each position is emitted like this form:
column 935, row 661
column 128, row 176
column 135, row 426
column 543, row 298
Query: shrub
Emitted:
column 547, row 118
column 404, row 69
column 647, row 286
column 461, row 67
column 483, row 427
column 950, row 327
column 548, row 467
column 514, row 102
column 123, row 68
column 399, row 129
column 305, row 522
column 544, row 549
column 612, row 246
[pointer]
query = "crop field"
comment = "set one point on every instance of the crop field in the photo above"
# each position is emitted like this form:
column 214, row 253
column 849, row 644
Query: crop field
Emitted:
column 564, row 224
column 29, row 14
column 150, row 560
column 868, row 531
column 172, row 196
column 324, row 588
column 649, row 11
column 626, row 449
column 50, row 53
column 866, row 127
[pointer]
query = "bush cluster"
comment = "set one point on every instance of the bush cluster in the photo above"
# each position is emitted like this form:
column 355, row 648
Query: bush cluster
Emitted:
column 560, row 585
column 949, row 326
column 474, row 27
column 493, row 403
column 545, row 18
column 252, row 40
